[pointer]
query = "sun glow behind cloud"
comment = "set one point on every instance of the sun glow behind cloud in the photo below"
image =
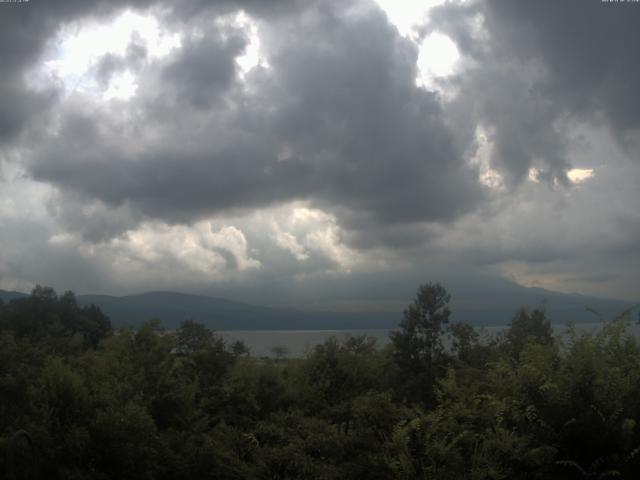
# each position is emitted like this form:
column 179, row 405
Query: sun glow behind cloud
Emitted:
column 481, row 160
column 437, row 53
column 253, row 55
column 122, row 87
column 79, row 46
column 406, row 15
column 579, row 175
column 437, row 58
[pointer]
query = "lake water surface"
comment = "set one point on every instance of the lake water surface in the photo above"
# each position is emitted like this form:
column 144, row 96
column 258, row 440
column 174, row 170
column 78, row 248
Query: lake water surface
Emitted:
column 296, row 342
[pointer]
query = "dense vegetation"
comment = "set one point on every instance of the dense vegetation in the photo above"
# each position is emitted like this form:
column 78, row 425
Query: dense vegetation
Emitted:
column 79, row 400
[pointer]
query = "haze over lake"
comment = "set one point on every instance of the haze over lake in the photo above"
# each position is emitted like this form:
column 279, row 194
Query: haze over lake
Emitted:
column 298, row 342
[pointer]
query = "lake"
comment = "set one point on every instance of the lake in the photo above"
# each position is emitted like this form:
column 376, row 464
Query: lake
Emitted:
column 296, row 342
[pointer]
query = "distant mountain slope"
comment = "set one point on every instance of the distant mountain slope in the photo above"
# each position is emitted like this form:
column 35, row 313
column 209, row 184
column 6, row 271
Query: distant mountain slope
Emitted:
column 172, row 308
column 496, row 306
column 478, row 306
column 486, row 307
column 6, row 296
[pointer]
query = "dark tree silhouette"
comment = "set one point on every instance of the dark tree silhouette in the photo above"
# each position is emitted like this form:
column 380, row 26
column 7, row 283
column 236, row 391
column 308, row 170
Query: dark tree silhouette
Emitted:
column 418, row 345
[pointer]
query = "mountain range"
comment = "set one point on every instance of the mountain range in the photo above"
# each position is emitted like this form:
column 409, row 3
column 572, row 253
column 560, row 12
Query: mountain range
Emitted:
column 479, row 307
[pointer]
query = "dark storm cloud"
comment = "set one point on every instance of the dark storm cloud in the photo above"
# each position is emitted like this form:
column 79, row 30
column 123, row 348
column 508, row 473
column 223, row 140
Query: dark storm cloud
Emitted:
column 22, row 35
column 24, row 30
column 18, row 106
column 590, row 48
column 26, row 27
column 352, row 113
column 204, row 69
column 110, row 64
column 336, row 119
column 95, row 222
column 544, row 65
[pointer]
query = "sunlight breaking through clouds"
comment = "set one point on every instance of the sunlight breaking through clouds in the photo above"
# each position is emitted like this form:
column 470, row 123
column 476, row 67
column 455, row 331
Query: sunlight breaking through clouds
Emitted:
column 407, row 15
column 481, row 159
column 437, row 58
column 78, row 47
column 437, row 53
column 121, row 87
column 579, row 175
column 253, row 55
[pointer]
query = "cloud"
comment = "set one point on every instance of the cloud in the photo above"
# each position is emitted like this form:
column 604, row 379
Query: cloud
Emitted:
column 197, row 139
column 24, row 32
column 321, row 160
column 591, row 68
column 195, row 248
column 204, row 67
column 533, row 71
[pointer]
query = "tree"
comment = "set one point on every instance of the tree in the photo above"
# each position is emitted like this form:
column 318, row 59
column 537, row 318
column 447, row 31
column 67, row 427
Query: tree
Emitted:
column 239, row 348
column 528, row 327
column 58, row 321
column 193, row 337
column 464, row 342
column 280, row 351
column 418, row 345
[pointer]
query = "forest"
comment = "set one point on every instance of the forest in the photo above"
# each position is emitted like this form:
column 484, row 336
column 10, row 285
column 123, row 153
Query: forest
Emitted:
column 81, row 400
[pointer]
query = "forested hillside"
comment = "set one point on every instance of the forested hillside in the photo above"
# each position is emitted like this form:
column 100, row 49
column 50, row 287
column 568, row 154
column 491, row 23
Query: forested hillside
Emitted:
column 80, row 400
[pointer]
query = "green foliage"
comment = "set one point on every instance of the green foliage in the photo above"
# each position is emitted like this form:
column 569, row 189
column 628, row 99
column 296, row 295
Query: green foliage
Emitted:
column 528, row 327
column 58, row 322
column 193, row 337
column 78, row 401
column 419, row 352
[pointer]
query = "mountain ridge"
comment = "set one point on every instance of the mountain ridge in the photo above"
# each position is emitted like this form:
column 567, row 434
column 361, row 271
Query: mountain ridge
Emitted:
column 486, row 306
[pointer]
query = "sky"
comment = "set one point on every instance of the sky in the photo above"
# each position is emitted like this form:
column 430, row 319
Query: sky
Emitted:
column 319, row 152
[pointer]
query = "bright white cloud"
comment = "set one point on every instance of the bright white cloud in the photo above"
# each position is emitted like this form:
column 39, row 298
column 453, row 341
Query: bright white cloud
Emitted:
column 437, row 58
column 438, row 54
column 320, row 234
column 253, row 55
column 79, row 45
column 407, row 14
column 230, row 239
column 196, row 248
column 122, row 87
column 481, row 159
column 534, row 175
column 579, row 175
column 290, row 243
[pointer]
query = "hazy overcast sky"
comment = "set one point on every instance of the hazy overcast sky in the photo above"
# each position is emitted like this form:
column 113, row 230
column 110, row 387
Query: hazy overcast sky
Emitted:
column 333, row 151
